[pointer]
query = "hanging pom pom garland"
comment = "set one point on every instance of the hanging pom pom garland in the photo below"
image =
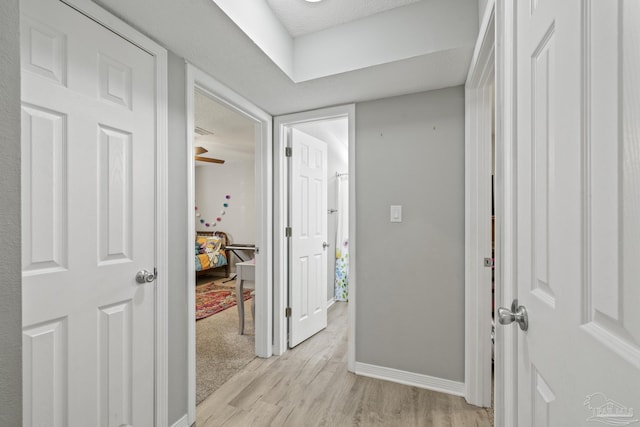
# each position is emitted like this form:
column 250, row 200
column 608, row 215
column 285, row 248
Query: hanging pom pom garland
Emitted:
column 218, row 219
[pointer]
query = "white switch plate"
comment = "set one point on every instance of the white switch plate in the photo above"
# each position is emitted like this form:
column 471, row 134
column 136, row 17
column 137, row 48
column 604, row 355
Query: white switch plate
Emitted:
column 396, row 213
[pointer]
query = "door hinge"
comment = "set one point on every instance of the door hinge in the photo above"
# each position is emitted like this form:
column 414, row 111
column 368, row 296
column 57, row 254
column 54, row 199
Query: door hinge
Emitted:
column 287, row 232
column 288, row 152
column 287, row 312
column 488, row 262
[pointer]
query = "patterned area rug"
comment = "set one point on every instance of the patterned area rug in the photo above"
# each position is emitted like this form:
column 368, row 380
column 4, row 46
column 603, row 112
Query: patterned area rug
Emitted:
column 213, row 298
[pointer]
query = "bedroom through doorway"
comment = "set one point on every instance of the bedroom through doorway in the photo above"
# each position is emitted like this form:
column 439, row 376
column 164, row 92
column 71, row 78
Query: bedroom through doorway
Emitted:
column 225, row 225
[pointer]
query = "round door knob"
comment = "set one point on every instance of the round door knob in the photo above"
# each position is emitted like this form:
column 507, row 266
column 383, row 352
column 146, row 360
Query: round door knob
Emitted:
column 518, row 314
column 144, row 276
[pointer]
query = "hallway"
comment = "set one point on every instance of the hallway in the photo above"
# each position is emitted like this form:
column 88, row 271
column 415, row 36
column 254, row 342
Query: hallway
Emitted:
column 310, row 386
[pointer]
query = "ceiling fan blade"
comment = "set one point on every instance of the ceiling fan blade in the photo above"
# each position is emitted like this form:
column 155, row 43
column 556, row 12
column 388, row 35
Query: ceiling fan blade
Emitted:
column 208, row 159
column 199, row 150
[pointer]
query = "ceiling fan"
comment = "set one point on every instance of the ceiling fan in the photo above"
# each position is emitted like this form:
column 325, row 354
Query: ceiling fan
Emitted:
column 200, row 150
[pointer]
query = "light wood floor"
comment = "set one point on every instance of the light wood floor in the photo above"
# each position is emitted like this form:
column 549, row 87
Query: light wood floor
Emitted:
column 310, row 386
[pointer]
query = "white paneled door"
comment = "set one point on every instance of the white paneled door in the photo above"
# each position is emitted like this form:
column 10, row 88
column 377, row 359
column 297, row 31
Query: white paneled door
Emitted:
column 308, row 219
column 88, row 217
column 578, row 210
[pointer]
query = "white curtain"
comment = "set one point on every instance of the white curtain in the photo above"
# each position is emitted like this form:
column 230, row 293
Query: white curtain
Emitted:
column 342, row 240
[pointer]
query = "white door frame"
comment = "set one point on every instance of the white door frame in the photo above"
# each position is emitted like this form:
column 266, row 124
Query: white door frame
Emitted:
column 281, row 195
column 479, row 97
column 494, row 59
column 159, row 54
column 264, row 206
column 505, row 364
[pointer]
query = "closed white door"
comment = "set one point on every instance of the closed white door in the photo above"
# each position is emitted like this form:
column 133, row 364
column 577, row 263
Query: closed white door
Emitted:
column 88, row 197
column 308, row 219
column 578, row 212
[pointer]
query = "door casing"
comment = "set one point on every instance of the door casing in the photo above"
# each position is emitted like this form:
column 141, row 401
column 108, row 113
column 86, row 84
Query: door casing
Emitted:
column 494, row 58
column 479, row 89
column 506, row 376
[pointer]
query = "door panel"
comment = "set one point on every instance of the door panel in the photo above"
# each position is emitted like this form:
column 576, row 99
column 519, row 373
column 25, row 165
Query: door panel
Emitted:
column 88, row 186
column 613, row 211
column 45, row 190
column 308, row 276
column 578, row 185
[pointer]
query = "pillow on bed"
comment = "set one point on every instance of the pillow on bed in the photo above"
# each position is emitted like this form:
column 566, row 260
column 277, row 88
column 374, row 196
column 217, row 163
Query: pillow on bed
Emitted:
column 208, row 244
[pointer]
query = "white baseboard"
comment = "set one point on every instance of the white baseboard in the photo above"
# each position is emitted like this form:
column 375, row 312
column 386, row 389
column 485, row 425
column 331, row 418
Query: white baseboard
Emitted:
column 410, row 378
column 182, row 422
column 331, row 302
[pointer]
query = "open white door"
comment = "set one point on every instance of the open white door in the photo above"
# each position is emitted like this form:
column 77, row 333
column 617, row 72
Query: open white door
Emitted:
column 88, row 220
column 308, row 219
column 578, row 211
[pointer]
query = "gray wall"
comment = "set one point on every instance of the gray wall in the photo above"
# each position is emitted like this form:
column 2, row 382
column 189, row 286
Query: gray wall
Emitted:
column 10, row 264
column 482, row 4
column 410, row 298
column 177, row 240
column 236, row 177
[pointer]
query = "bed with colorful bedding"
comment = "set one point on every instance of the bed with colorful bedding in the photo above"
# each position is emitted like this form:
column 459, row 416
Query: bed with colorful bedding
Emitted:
column 210, row 252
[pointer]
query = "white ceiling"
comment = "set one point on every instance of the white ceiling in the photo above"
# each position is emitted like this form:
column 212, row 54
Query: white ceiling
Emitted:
column 300, row 17
column 333, row 131
column 227, row 125
column 419, row 29
column 233, row 134
column 201, row 33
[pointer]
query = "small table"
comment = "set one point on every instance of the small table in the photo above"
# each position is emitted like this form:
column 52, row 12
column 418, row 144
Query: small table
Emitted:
column 245, row 271
column 238, row 247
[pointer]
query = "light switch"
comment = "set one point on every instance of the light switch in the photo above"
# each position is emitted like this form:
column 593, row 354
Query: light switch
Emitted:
column 396, row 213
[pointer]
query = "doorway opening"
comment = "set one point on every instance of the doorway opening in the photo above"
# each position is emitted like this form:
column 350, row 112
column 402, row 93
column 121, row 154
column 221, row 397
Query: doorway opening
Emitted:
column 230, row 215
column 336, row 128
column 318, row 218
column 225, row 222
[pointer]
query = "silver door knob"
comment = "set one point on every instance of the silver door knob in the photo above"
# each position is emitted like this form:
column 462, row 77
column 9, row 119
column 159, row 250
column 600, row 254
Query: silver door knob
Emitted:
column 144, row 276
column 518, row 313
column 325, row 245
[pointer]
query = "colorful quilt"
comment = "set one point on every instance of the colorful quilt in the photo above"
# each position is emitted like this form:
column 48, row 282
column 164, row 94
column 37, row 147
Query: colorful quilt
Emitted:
column 209, row 253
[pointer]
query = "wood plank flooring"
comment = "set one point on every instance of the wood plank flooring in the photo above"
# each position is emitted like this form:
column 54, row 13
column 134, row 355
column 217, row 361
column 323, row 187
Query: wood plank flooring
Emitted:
column 309, row 386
